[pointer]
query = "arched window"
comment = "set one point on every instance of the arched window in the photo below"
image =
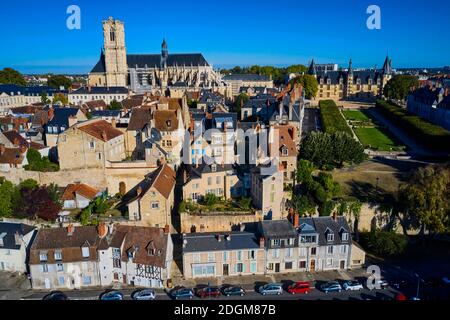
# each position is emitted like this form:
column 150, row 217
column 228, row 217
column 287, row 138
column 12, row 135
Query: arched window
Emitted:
column 112, row 36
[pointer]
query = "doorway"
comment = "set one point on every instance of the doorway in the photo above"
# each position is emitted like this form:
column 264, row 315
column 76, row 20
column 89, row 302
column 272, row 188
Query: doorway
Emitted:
column 342, row 264
column 312, row 265
column 225, row 270
column 277, row 267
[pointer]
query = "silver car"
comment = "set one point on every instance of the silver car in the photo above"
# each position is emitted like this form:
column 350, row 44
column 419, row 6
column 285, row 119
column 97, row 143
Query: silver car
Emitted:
column 271, row 289
column 145, row 294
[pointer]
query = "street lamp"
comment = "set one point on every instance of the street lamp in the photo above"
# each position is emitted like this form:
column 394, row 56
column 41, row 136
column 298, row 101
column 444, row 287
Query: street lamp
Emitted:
column 418, row 286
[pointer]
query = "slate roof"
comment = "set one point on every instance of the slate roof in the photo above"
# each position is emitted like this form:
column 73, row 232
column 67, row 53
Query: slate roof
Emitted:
column 215, row 120
column 202, row 242
column 101, row 90
column 325, row 225
column 245, row 77
column 10, row 229
column 61, row 116
column 154, row 60
column 28, row 91
column 105, row 113
column 278, row 229
column 197, row 172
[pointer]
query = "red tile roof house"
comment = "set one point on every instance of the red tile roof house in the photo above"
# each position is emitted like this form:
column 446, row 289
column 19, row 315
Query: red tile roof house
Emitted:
column 78, row 196
column 139, row 256
column 12, row 157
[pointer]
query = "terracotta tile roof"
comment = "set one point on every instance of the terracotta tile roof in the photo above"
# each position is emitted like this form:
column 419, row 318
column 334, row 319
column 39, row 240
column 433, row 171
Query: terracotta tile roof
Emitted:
column 149, row 244
column 83, row 189
column 101, row 130
column 286, row 140
column 53, row 239
column 139, row 118
column 30, row 109
column 165, row 120
column 13, row 156
column 95, row 105
column 15, row 138
column 36, row 146
column 162, row 179
column 132, row 102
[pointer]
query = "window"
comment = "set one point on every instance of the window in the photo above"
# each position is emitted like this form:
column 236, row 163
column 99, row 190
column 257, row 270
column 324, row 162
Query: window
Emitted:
column 155, row 205
column 99, row 156
column 289, row 252
column 85, row 252
column 91, row 144
column 276, row 242
column 253, row 267
column 59, row 267
column 61, row 281
column 196, row 257
column 44, row 268
column 87, row 280
column 329, row 262
column 209, row 181
column 270, row 266
column 303, row 252
column 344, row 249
column 225, row 256
column 252, row 254
column 284, row 151
column 218, row 180
column 313, row 251
column 239, row 255
column 288, row 266
column 345, row 236
column 272, row 197
column 239, row 267
column 195, row 186
column 291, row 241
column 211, row 257
column 43, row 256
column 330, row 237
column 58, row 255
column 275, row 253
column 330, row 249
column 302, row 264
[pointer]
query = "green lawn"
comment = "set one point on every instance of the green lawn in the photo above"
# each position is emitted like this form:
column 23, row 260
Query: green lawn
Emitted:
column 375, row 139
column 355, row 115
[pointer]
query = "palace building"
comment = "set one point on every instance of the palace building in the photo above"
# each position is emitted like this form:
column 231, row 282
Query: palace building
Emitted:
column 155, row 73
column 351, row 84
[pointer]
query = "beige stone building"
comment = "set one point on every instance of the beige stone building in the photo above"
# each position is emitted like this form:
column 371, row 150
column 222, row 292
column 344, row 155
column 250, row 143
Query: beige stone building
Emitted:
column 266, row 191
column 351, row 84
column 151, row 201
column 220, row 180
column 286, row 152
column 90, row 144
column 237, row 81
column 222, row 254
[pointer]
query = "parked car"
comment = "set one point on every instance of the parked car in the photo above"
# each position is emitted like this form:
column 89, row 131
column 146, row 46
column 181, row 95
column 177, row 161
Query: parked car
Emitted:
column 299, row 287
column 182, row 293
column 271, row 289
column 233, row 291
column 55, row 295
column 332, row 286
column 400, row 297
column 352, row 285
column 382, row 284
column 111, row 295
column 208, row 292
column 145, row 294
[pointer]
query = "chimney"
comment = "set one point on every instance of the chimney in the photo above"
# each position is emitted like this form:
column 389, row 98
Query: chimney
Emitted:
column 17, row 239
column 72, row 121
column 102, row 230
column 166, row 229
column 113, row 122
column 104, row 135
column 2, row 149
column 334, row 216
column 261, row 242
column 219, row 239
column 296, row 220
column 139, row 191
column 70, row 230
column 51, row 113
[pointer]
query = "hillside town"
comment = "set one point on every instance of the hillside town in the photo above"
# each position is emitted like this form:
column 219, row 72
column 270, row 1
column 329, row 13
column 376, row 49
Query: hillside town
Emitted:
column 161, row 173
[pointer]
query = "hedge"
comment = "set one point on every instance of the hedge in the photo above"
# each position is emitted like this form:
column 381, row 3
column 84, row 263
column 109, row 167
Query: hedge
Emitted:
column 427, row 134
column 332, row 119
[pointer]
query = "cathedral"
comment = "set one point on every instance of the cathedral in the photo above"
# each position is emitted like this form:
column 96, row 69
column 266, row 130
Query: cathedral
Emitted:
column 155, row 73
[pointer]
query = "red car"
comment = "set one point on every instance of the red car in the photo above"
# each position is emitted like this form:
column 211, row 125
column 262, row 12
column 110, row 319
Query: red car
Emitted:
column 299, row 287
column 208, row 292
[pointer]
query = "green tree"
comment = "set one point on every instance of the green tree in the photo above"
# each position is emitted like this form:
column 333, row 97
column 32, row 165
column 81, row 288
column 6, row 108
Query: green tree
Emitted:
column 30, row 184
column 309, row 84
column 210, row 199
column 346, row 149
column 384, row 243
column 245, row 203
column 425, row 197
column 7, row 190
column 114, row 105
column 62, row 98
column 11, row 76
column 44, row 98
column 399, row 86
column 57, row 81
column 303, row 204
column 304, row 171
column 241, row 100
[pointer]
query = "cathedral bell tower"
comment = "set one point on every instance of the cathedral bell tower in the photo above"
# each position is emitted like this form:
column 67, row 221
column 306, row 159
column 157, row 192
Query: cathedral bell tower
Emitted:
column 163, row 73
column 115, row 53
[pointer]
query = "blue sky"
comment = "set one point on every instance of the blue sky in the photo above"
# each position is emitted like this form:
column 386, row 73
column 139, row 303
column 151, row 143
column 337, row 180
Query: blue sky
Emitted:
column 415, row 33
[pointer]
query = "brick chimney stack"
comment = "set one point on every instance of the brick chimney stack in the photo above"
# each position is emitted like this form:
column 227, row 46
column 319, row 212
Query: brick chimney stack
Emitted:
column 261, row 242
column 102, row 230
column 166, row 229
column 70, row 230
column 296, row 220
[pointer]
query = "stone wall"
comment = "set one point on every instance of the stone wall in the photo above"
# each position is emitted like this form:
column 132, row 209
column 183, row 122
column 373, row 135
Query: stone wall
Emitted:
column 216, row 222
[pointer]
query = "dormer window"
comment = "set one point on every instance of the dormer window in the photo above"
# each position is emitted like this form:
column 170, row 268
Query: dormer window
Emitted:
column 58, row 255
column 169, row 123
column 330, row 237
column 213, row 168
column 85, row 252
column 345, row 236
column 284, row 151
column 43, row 256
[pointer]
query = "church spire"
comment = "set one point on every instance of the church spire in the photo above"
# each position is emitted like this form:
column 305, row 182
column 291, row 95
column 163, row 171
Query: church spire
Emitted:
column 312, row 68
column 387, row 66
column 350, row 67
column 164, row 54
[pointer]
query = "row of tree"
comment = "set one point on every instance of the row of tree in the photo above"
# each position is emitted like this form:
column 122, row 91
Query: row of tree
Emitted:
column 29, row 200
column 11, row 76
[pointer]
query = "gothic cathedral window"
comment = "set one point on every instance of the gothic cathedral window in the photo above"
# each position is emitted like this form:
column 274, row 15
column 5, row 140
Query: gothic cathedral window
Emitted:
column 112, row 36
